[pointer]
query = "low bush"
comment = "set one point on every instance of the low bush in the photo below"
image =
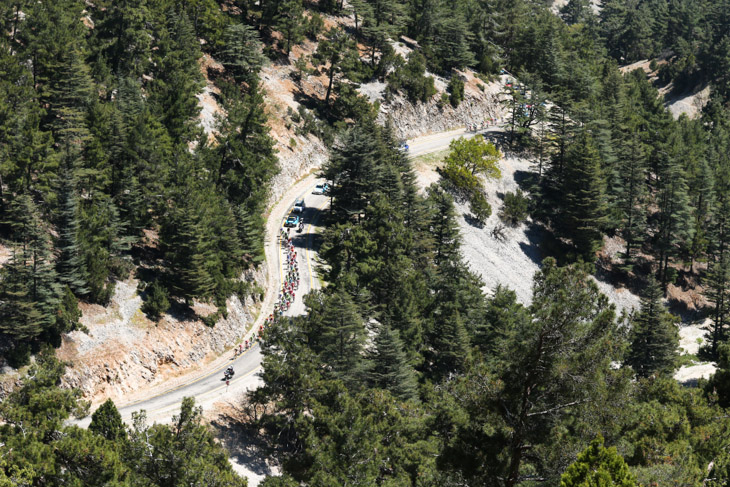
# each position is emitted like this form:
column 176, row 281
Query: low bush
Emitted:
column 515, row 208
column 313, row 26
column 456, row 90
column 156, row 301
column 19, row 355
column 410, row 78
column 479, row 207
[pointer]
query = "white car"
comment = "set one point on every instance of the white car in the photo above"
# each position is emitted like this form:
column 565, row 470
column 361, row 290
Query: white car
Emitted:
column 320, row 188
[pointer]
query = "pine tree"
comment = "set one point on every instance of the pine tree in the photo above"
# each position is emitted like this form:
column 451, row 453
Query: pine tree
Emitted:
column 450, row 342
column 718, row 279
column 151, row 147
column 388, row 366
column 718, row 293
column 70, row 265
column 125, row 38
column 199, row 237
column 242, row 55
column 631, row 188
column 36, row 254
column 107, row 422
column 443, row 228
column 251, row 231
column 69, row 313
column 244, row 162
column 156, row 302
column 181, row 238
column 502, row 317
column 540, row 379
column 101, row 246
column 71, row 91
column 29, row 288
column 21, row 317
column 380, row 23
column 562, row 133
column 584, row 208
column 354, row 170
column 50, row 33
column 290, row 22
column 24, row 148
column 360, row 10
column 337, row 52
column 246, row 159
column 452, row 43
column 572, row 328
column 95, row 177
column 184, row 451
column 654, row 336
column 342, row 337
column 575, row 11
column 673, row 227
column 177, row 79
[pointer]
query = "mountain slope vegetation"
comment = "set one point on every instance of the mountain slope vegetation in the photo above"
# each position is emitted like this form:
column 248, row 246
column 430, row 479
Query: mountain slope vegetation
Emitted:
column 402, row 372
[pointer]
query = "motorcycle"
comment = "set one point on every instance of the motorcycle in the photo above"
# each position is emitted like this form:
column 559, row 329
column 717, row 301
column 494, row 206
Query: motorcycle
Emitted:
column 300, row 228
column 228, row 373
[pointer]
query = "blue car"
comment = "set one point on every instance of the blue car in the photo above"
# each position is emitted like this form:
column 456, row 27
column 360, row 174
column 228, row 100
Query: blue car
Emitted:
column 293, row 220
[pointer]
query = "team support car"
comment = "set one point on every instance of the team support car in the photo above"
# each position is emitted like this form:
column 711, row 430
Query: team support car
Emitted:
column 298, row 206
column 293, row 220
column 320, row 188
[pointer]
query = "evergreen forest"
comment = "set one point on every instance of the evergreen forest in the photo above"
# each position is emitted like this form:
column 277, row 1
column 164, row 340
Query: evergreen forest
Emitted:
column 403, row 371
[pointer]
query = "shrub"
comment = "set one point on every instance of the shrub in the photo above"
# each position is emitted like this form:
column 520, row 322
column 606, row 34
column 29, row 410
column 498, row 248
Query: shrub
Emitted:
column 293, row 116
column 410, row 78
column 515, row 208
column 19, row 355
column 313, row 26
column 479, row 206
column 444, row 100
column 301, row 69
column 156, row 302
column 456, row 91
column 313, row 125
column 68, row 312
column 212, row 319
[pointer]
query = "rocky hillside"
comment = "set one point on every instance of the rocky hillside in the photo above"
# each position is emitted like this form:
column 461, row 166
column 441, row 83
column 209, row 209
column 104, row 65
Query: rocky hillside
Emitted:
column 124, row 352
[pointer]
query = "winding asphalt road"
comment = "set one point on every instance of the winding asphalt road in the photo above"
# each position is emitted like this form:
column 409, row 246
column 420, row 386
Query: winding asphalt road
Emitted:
column 210, row 387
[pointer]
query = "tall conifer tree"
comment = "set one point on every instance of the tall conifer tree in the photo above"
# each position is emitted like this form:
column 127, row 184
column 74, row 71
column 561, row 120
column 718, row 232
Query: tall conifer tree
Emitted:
column 583, row 198
column 388, row 366
column 654, row 336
